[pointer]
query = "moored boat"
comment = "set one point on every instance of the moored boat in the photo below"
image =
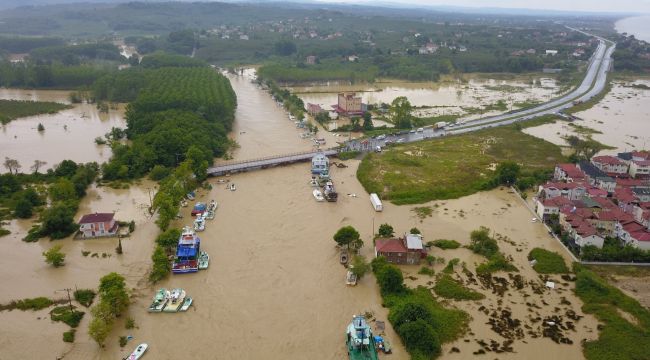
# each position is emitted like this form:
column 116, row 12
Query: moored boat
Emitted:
column 199, row 208
column 209, row 215
column 138, row 352
column 343, row 257
column 329, row 193
column 213, row 205
column 199, row 223
column 318, row 195
column 176, row 300
column 187, row 252
column 159, row 301
column 232, row 187
column 360, row 342
column 350, row 277
column 186, row 303
column 204, row 260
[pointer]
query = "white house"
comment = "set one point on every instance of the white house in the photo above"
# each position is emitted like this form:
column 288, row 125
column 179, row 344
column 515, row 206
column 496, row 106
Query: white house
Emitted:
column 640, row 168
column 551, row 52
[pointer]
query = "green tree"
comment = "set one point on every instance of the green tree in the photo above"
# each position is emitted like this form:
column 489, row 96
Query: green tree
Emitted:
column 159, row 172
column 54, row 256
column 23, row 208
column 161, row 265
column 57, row 221
column 367, row 121
column 62, row 190
column 507, row 172
column 346, row 235
column 419, row 337
column 112, row 290
column 168, row 239
column 198, row 162
column 400, row 112
column 98, row 329
column 385, row 231
column 482, row 244
column 285, row 47
column 360, row 266
column 390, row 280
column 415, row 231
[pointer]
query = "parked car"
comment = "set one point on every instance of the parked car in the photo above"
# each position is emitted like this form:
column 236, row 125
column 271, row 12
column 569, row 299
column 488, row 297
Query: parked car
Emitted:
column 381, row 137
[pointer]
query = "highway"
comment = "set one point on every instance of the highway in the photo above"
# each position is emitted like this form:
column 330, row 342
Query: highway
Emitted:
column 594, row 82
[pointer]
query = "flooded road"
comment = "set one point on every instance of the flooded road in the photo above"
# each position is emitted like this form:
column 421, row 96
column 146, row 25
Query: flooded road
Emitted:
column 69, row 134
column 275, row 288
column 622, row 118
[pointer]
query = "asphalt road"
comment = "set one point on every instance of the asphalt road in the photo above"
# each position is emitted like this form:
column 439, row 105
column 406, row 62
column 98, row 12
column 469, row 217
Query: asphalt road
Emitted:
column 593, row 83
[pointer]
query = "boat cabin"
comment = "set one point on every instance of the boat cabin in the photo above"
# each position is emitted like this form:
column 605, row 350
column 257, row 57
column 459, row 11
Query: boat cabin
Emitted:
column 320, row 164
column 187, row 253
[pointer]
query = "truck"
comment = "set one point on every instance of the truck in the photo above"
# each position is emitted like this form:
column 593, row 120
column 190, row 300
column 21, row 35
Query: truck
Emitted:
column 440, row 125
column 376, row 203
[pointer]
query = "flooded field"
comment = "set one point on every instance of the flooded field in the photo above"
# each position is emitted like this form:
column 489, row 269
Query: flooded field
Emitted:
column 449, row 97
column 69, row 134
column 275, row 288
column 622, row 117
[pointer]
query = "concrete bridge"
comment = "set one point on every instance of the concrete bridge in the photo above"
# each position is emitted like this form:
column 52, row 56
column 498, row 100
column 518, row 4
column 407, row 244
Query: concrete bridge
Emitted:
column 266, row 162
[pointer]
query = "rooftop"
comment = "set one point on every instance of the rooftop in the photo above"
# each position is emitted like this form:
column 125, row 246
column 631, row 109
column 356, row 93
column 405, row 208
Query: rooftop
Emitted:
column 414, row 242
column 390, row 246
column 606, row 159
column 96, row 217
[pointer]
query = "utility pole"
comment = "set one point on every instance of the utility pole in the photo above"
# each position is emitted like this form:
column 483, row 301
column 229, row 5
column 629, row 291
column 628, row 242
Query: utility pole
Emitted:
column 69, row 298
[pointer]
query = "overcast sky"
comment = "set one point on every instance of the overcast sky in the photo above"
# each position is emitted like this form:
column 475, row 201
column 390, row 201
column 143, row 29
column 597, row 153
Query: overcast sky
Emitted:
column 635, row 6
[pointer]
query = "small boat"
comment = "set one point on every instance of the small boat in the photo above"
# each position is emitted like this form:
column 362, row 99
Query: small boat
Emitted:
column 159, row 301
column 213, row 205
column 343, row 257
column 387, row 348
column 138, row 352
column 184, row 203
column 318, row 195
column 176, row 300
column 232, row 187
column 204, row 260
column 209, row 215
column 190, row 195
column 186, row 304
column 313, row 182
column 328, row 191
column 350, row 277
column 199, row 208
column 199, row 223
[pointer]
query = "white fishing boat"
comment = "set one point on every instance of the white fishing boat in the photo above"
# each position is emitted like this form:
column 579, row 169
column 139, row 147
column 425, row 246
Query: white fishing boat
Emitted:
column 318, row 195
column 159, row 301
column 184, row 203
column 209, row 215
column 350, row 277
column 186, row 304
column 213, row 205
column 204, row 260
column 199, row 223
column 138, row 352
column 231, row 187
column 176, row 300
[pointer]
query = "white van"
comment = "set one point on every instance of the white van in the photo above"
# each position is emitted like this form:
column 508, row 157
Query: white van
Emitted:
column 376, row 203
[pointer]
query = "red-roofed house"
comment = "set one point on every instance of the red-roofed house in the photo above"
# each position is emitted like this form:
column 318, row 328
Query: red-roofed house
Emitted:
column 587, row 235
column 640, row 155
column 407, row 250
column 640, row 169
column 610, row 164
column 570, row 190
column 98, row 225
column 314, row 109
column 595, row 192
column 635, row 234
column 568, row 172
column 546, row 208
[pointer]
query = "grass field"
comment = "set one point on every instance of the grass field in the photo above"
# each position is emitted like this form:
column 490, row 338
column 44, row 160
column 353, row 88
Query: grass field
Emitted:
column 13, row 109
column 453, row 166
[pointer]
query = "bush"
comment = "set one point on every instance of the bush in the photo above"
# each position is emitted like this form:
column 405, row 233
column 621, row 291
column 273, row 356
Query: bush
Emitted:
column 359, row 266
column 68, row 336
column 548, row 262
column 54, row 256
column 482, row 243
column 347, row 155
column 84, row 296
column 450, row 266
column 30, row 304
column 426, row 271
column 419, row 338
column 390, row 279
column 64, row 314
column 169, row 239
column 123, row 341
column 445, row 244
column 498, row 262
column 159, row 172
column 129, row 324
column 450, row 288
column 385, row 231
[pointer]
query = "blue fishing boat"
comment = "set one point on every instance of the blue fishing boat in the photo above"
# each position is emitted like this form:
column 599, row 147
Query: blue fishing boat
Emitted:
column 187, row 252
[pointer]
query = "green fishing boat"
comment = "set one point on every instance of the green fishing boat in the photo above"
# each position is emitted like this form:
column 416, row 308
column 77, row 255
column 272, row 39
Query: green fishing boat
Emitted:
column 204, row 260
column 359, row 340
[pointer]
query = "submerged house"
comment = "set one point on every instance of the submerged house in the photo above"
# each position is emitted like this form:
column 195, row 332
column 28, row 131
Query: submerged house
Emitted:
column 98, row 225
column 407, row 250
column 320, row 165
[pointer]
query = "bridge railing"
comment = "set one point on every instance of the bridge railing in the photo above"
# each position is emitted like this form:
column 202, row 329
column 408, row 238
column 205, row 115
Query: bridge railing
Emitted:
column 271, row 157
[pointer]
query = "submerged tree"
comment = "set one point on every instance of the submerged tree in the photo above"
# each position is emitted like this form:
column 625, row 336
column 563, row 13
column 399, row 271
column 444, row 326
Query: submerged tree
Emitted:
column 346, row 236
column 400, row 112
column 54, row 256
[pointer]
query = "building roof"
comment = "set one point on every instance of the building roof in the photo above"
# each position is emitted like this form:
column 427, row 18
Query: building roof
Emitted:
column 557, row 201
column 606, row 159
column 627, row 182
column 96, row 218
column 641, row 154
column 639, row 191
column 641, row 235
column 414, row 242
column 592, row 171
column 571, row 171
column 563, row 185
column 605, row 203
column 595, row 192
column 633, row 226
column 624, row 195
column 642, row 162
column 390, row 246
column 613, row 215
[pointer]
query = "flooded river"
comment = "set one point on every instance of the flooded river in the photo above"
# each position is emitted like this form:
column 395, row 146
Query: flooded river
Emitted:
column 275, row 288
column 69, row 134
column 622, row 118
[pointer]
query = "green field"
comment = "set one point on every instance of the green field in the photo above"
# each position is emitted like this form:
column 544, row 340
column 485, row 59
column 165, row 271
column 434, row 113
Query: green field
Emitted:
column 14, row 109
column 453, row 166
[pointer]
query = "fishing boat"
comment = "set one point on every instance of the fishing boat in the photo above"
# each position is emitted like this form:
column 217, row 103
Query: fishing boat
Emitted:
column 213, row 205
column 187, row 252
column 318, row 195
column 350, row 277
column 360, row 342
column 186, row 303
column 209, row 215
column 313, row 182
column 232, row 187
column 204, row 260
column 343, row 257
column 199, row 223
column 328, row 191
column 176, row 300
column 199, row 208
column 159, row 301
column 184, row 203
column 190, row 195
column 138, row 352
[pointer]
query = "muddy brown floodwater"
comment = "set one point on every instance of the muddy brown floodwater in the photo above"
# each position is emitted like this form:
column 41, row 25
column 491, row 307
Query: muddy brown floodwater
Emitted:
column 275, row 288
column 622, row 118
column 69, row 134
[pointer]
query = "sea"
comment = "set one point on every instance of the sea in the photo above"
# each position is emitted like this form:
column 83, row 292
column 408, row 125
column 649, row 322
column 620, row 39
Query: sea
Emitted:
column 639, row 26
